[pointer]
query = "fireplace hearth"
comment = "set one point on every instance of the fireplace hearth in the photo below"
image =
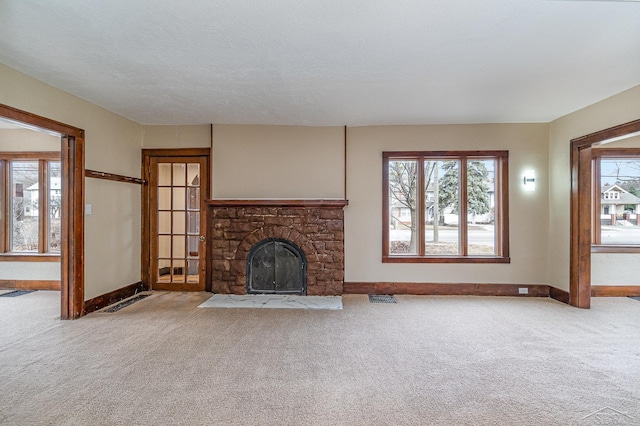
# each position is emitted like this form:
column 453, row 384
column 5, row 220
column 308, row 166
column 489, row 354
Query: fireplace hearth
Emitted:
column 276, row 246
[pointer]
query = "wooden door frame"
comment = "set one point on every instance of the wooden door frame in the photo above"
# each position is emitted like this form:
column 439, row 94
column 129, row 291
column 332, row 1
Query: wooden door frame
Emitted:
column 146, row 203
column 72, row 244
column 581, row 200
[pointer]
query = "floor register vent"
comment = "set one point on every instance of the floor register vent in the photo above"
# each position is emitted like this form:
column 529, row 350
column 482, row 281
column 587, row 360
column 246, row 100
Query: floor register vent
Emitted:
column 125, row 303
column 382, row 298
column 16, row 293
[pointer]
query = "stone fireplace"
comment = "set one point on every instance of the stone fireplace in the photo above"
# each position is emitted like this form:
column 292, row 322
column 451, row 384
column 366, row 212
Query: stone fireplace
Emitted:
column 240, row 229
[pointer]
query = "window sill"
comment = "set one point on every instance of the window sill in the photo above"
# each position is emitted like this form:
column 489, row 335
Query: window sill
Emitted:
column 30, row 257
column 445, row 259
column 614, row 249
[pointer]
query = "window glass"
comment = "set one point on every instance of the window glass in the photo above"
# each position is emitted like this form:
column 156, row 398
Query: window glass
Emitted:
column 442, row 204
column 481, row 206
column 55, row 206
column 24, row 206
column 403, row 223
column 619, row 201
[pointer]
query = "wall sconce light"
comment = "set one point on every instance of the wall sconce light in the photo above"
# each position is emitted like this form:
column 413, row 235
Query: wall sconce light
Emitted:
column 529, row 180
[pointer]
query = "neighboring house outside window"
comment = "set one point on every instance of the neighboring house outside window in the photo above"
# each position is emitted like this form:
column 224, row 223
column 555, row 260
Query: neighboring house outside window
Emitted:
column 615, row 225
column 460, row 215
column 31, row 198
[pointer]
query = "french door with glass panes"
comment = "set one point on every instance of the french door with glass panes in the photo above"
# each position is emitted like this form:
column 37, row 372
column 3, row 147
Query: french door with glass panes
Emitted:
column 177, row 190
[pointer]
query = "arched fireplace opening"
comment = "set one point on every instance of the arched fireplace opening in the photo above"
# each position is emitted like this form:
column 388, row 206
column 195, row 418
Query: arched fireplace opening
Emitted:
column 276, row 266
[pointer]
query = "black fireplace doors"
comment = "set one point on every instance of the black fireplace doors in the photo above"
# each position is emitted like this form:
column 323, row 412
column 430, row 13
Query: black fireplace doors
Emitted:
column 276, row 266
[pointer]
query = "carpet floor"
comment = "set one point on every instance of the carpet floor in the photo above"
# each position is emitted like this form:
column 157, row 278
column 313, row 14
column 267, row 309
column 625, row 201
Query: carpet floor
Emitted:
column 425, row 360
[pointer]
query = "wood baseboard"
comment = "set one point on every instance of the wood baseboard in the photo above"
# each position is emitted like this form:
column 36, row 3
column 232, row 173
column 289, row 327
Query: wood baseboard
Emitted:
column 614, row 290
column 442, row 289
column 559, row 295
column 30, row 284
column 112, row 297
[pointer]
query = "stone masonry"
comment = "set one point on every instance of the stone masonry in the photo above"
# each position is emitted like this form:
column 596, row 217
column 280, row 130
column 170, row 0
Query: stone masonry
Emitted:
column 316, row 227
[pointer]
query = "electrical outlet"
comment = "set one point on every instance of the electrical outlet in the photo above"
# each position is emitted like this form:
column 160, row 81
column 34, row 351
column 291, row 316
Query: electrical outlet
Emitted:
column 523, row 290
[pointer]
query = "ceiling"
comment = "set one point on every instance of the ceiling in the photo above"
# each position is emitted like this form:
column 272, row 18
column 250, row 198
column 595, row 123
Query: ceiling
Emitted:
column 328, row 62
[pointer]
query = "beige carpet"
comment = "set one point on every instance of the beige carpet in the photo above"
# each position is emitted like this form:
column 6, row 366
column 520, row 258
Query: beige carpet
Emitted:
column 425, row 360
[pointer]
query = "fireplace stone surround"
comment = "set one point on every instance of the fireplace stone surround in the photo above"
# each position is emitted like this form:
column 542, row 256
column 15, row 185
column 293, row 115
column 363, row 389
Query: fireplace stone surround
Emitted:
column 315, row 226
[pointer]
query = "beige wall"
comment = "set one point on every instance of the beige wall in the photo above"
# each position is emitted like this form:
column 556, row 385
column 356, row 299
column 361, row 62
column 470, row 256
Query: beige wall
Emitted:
column 615, row 110
column 278, row 162
column 27, row 140
column 176, row 136
column 527, row 145
column 112, row 235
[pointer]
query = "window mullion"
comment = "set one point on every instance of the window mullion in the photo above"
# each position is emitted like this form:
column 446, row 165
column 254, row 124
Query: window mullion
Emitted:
column 462, row 214
column 420, row 214
column 43, row 189
column 4, row 203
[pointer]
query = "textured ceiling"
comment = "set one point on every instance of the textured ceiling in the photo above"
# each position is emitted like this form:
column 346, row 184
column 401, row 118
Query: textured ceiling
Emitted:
column 327, row 62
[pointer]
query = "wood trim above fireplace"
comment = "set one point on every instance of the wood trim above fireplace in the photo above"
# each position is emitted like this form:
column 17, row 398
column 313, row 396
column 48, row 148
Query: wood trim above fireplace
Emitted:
column 311, row 203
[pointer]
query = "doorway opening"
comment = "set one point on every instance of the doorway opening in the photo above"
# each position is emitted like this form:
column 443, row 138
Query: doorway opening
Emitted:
column 70, row 241
column 581, row 208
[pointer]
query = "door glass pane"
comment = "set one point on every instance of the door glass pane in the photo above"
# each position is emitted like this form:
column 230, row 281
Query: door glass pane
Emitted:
column 193, row 195
column 164, row 174
column 193, row 246
column 193, row 222
column 178, row 246
column 164, row 198
column 55, row 206
column 442, row 195
column 481, row 224
column 178, row 223
column 179, row 174
column 193, row 174
column 178, row 270
column 403, row 226
column 164, row 246
column 24, row 206
column 164, row 271
column 178, row 199
column 164, row 222
column 192, row 271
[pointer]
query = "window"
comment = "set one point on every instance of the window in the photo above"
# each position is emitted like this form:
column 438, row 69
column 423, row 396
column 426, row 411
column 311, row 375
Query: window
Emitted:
column 31, row 201
column 616, row 200
column 445, row 206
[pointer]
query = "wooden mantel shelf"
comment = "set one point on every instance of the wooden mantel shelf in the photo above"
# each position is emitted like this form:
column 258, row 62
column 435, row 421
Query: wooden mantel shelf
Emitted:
column 315, row 203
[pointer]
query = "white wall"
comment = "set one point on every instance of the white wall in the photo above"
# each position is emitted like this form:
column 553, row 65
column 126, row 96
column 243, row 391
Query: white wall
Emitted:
column 112, row 236
column 527, row 145
column 618, row 109
column 285, row 162
column 12, row 140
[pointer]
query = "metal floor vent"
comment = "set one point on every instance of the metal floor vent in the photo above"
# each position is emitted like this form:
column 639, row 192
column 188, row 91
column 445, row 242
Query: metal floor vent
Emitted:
column 382, row 298
column 17, row 293
column 125, row 303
